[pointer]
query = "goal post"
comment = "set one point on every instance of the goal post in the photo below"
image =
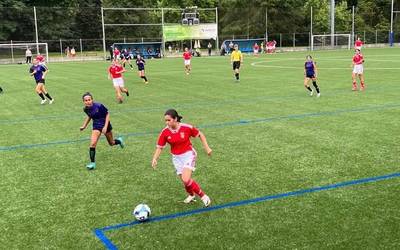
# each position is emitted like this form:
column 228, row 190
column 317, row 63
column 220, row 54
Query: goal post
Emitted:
column 328, row 41
column 15, row 52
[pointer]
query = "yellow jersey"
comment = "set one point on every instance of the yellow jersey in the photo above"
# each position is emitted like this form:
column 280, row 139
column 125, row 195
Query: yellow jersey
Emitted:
column 236, row 56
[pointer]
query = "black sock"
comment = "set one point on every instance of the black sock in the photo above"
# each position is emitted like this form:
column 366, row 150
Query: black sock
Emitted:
column 145, row 78
column 41, row 96
column 309, row 88
column 124, row 65
column 117, row 142
column 92, row 154
column 237, row 76
column 48, row 96
column 316, row 86
column 1, row 90
column 131, row 66
column 127, row 93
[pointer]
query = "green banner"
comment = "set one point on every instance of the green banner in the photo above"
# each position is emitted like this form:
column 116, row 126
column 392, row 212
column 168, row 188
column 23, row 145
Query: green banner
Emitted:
column 185, row 32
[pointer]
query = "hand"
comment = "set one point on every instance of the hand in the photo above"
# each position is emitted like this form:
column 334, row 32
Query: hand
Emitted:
column 82, row 128
column 154, row 163
column 104, row 130
column 208, row 151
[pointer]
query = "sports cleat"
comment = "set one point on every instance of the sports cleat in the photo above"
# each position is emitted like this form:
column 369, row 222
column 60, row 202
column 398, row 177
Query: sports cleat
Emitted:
column 43, row 101
column 51, row 101
column 319, row 94
column 312, row 92
column 354, row 87
column 189, row 199
column 146, row 82
column 91, row 166
column 362, row 87
column 122, row 145
column 206, row 200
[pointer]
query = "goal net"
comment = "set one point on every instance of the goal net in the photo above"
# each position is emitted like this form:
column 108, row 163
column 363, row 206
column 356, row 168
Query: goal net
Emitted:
column 15, row 52
column 337, row 41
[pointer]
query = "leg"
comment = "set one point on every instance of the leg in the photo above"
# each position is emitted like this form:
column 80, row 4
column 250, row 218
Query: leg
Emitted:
column 92, row 149
column 124, row 90
column 118, row 93
column 314, row 82
column 306, row 85
column 361, row 76
column 354, row 78
column 112, row 142
column 38, row 90
column 47, row 94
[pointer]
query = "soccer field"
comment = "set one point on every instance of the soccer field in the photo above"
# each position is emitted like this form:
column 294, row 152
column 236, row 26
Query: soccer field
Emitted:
column 268, row 136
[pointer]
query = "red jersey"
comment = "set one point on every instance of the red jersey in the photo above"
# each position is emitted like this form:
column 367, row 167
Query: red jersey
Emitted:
column 187, row 55
column 113, row 69
column 358, row 59
column 116, row 52
column 256, row 47
column 178, row 139
column 40, row 58
column 358, row 43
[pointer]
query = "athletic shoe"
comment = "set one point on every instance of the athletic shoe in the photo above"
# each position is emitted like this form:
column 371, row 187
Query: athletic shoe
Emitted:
column 189, row 199
column 51, row 101
column 146, row 82
column 43, row 101
column 206, row 200
column 122, row 145
column 312, row 92
column 319, row 94
column 91, row 166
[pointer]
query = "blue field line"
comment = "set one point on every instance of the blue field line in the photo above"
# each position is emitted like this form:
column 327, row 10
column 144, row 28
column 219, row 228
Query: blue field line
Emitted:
column 107, row 242
column 214, row 125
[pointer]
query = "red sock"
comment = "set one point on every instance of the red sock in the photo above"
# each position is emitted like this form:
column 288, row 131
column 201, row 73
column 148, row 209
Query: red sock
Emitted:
column 196, row 188
column 189, row 187
column 362, row 84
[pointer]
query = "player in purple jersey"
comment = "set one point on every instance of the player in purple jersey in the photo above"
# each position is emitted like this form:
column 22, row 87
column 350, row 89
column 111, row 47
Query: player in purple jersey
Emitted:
column 39, row 72
column 101, row 125
column 310, row 72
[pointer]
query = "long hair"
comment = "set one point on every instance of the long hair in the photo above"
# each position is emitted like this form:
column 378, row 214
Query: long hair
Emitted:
column 174, row 114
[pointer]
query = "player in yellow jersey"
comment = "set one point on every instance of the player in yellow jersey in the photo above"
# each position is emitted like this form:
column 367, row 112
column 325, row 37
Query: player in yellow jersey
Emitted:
column 236, row 60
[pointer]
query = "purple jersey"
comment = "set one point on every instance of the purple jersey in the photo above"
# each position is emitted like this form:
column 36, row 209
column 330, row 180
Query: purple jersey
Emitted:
column 140, row 63
column 309, row 66
column 39, row 71
column 98, row 113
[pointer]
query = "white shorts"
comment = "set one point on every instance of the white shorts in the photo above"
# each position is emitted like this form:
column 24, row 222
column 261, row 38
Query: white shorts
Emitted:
column 255, row 51
column 357, row 47
column 187, row 62
column 118, row 82
column 358, row 69
column 185, row 160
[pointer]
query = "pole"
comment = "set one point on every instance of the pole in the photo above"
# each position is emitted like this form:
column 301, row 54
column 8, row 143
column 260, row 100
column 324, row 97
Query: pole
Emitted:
column 352, row 26
column 216, row 20
column 12, row 52
column 311, row 28
column 332, row 23
column 104, row 34
column 61, row 50
column 162, row 27
column 80, row 44
column 391, row 26
column 266, row 24
column 36, row 30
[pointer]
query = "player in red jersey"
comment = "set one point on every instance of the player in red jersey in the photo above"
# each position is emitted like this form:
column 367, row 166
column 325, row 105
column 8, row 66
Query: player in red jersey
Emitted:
column 187, row 56
column 115, row 73
column 256, row 48
column 178, row 135
column 358, row 44
column 116, row 53
column 358, row 69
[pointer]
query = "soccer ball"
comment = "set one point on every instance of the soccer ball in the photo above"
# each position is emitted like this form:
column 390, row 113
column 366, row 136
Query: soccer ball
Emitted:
column 141, row 212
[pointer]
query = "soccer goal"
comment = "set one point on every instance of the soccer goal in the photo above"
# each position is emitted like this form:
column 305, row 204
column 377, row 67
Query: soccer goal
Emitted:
column 15, row 52
column 337, row 41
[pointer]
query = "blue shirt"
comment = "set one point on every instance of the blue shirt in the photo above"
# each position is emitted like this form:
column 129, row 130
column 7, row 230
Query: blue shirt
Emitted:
column 309, row 66
column 39, row 71
column 98, row 113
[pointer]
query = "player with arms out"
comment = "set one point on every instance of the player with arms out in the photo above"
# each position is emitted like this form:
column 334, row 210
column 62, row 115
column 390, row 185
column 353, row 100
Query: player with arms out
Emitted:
column 358, row 70
column 178, row 135
column 101, row 125
column 310, row 73
column 39, row 72
column 115, row 73
column 140, row 62
column 187, row 56
column 236, row 60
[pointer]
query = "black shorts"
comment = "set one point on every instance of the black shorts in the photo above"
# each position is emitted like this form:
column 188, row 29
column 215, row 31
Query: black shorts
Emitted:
column 310, row 75
column 40, row 81
column 236, row 65
column 109, row 128
column 141, row 68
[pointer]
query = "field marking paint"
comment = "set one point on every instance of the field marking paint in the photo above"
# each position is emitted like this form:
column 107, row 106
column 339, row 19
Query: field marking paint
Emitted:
column 99, row 232
column 215, row 125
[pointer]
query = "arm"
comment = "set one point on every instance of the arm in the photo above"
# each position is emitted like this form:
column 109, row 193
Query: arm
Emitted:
column 156, row 155
column 85, row 123
column 315, row 69
column 44, row 74
column 241, row 58
column 106, row 123
column 122, row 71
column 205, row 144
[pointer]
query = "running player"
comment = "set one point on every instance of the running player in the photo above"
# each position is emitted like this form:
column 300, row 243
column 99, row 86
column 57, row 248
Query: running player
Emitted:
column 187, row 56
column 178, row 135
column 358, row 69
column 236, row 60
column 115, row 73
column 116, row 53
column 310, row 73
column 101, row 125
column 126, row 57
column 256, row 48
column 140, row 62
column 358, row 44
column 39, row 72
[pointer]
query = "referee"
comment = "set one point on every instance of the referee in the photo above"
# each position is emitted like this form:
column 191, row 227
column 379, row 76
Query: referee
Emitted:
column 236, row 60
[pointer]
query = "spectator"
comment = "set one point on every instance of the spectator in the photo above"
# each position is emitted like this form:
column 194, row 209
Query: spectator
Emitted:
column 28, row 55
column 209, row 47
column 73, row 53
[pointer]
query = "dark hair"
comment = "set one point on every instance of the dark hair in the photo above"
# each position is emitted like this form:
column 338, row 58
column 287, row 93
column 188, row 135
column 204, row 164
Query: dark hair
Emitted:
column 173, row 114
column 308, row 56
column 87, row 94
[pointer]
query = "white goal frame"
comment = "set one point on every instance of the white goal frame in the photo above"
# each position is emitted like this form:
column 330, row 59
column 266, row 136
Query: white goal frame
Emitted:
column 334, row 37
column 11, row 46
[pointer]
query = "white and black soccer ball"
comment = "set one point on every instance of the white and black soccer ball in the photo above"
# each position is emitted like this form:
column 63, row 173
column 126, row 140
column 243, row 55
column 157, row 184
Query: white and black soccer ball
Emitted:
column 142, row 212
